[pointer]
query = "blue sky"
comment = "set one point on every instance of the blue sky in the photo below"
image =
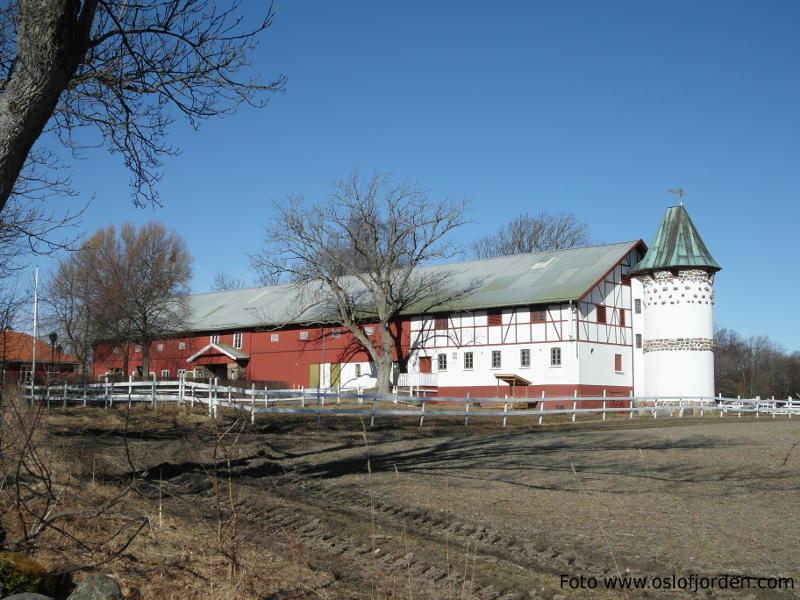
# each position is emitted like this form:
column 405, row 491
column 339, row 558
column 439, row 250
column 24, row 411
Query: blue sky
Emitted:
column 591, row 107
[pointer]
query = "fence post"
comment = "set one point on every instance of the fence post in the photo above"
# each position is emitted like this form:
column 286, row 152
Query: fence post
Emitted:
column 630, row 413
column 266, row 398
column 85, row 388
column 372, row 415
column 422, row 414
column 303, row 397
column 574, row 408
column 466, row 414
column 210, row 410
column 65, row 394
column 505, row 415
column 130, row 389
column 105, row 392
column 680, row 408
column 111, row 397
column 604, row 406
column 541, row 410
column 47, row 394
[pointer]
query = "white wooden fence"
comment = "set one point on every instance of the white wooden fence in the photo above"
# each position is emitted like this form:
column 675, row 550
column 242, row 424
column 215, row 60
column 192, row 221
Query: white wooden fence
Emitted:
column 303, row 401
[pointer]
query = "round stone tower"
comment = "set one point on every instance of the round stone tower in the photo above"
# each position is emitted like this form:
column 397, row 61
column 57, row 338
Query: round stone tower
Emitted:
column 677, row 276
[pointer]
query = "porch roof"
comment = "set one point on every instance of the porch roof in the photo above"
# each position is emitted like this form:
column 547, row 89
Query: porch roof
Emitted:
column 228, row 351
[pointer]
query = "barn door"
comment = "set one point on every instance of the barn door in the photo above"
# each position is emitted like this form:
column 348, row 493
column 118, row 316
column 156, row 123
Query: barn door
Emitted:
column 424, row 364
column 313, row 376
column 336, row 375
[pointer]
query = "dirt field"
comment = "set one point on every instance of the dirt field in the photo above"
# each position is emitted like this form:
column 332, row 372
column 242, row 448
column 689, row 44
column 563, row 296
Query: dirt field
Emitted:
column 445, row 511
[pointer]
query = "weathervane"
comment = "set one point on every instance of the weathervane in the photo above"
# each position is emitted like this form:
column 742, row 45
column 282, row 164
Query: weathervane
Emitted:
column 680, row 191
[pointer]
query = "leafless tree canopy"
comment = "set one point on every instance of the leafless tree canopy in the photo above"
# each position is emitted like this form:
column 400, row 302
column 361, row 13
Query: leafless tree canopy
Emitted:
column 224, row 282
column 527, row 234
column 125, row 68
column 754, row 366
column 357, row 252
column 129, row 287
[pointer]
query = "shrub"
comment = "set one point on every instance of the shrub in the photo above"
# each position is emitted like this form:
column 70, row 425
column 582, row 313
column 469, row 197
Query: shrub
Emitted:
column 19, row 573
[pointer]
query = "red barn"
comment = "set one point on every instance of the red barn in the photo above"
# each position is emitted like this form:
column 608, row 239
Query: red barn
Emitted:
column 16, row 356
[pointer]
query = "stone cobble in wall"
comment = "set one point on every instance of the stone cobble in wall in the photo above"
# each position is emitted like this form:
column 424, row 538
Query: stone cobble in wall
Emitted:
column 695, row 344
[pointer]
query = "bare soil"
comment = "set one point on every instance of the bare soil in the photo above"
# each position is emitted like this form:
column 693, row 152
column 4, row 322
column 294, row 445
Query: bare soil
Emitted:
column 447, row 511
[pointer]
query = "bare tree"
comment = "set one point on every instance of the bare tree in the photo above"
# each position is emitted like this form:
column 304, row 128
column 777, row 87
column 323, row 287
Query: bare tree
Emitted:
column 388, row 230
column 122, row 67
column 224, row 282
column 126, row 288
column 533, row 234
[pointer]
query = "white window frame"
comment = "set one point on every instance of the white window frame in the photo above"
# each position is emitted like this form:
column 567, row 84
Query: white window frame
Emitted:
column 214, row 339
column 237, row 340
column 469, row 361
column 165, row 373
column 274, row 337
column 304, row 335
column 525, row 358
column 637, row 306
column 441, row 362
column 181, row 346
column 159, row 347
column 555, row 356
column 496, row 359
column 336, row 333
column 369, row 330
column 181, row 373
column 137, row 348
column 357, row 367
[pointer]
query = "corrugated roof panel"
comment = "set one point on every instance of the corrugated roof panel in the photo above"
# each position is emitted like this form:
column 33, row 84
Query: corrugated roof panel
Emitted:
column 537, row 278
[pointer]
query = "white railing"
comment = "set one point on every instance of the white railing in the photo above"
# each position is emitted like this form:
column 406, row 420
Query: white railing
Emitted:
column 303, row 401
column 418, row 380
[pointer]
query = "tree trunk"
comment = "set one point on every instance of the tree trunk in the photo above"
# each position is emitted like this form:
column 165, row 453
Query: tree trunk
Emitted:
column 383, row 365
column 53, row 37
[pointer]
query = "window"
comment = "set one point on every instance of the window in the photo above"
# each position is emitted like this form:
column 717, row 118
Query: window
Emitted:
column 494, row 318
column 215, row 339
column 618, row 363
column 165, row 373
column 637, row 306
column 638, row 340
column 601, row 314
column 159, row 347
column 622, row 317
column 237, row 340
column 369, row 330
column 181, row 346
column 555, row 357
column 181, row 373
column 335, row 333
column 115, row 350
column 138, row 348
column 496, row 359
column 538, row 314
column 358, row 370
column 440, row 323
column 303, row 335
column 441, row 362
column 274, row 337
column 468, row 361
column 524, row 358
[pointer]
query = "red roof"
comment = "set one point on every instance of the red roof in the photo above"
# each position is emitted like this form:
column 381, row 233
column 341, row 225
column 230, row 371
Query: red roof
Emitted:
column 18, row 347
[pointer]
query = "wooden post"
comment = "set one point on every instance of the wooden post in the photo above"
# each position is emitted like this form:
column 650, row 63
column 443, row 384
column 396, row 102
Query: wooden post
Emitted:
column 574, row 407
column 130, row 389
column 604, row 406
column 541, row 409
column 505, row 416
column 422, row 414
column 47, row 394
column 630, row 414
column 85, row 389
column 65, row 394
column 466, row 414
column 252, row 403
column 680, row 408
column 372, row 415
column 111, row 397
column 105, row 392
column 303, row 397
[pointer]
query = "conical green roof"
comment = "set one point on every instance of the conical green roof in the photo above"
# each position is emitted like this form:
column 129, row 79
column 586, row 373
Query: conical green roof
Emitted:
column 676, row 244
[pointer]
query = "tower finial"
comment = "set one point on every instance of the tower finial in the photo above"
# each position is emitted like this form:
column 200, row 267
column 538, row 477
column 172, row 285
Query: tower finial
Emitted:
column 680, row 191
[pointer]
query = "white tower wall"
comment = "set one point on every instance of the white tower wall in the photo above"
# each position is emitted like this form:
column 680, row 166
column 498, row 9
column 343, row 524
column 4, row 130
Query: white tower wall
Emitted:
column 678, row 334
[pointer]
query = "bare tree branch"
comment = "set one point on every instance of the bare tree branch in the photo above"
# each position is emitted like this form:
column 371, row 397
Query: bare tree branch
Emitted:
column 526, row 234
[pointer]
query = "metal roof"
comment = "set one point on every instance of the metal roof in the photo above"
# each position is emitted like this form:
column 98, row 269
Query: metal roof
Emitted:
column 228, row 351
column 676, row 244
column 541, row 277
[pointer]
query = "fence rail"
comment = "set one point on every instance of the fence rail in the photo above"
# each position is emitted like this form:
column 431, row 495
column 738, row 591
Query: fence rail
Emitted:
column 316, row 402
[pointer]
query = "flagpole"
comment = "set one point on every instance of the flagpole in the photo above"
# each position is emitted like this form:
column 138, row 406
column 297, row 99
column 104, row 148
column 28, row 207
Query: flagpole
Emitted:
column 35, row 329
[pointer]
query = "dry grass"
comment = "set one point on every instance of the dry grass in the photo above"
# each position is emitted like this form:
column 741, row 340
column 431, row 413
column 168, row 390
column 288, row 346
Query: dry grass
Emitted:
column 88, row 518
